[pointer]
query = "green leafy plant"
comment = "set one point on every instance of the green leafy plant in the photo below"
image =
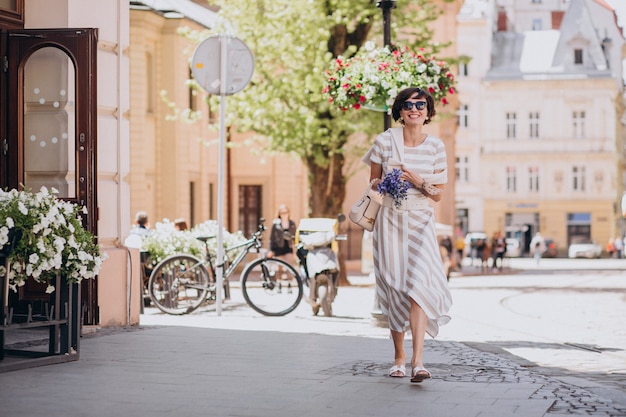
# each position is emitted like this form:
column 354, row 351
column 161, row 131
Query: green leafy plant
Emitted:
column 43, row 236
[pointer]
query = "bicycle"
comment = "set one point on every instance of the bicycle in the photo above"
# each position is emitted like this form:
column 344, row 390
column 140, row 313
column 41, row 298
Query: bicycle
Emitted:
column 181, row 283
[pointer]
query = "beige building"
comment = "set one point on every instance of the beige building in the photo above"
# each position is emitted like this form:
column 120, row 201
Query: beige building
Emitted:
column 174, row 152
column 540, row 139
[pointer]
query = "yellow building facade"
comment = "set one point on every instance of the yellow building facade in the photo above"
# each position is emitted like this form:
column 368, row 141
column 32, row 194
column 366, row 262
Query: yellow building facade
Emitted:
column 174, row 153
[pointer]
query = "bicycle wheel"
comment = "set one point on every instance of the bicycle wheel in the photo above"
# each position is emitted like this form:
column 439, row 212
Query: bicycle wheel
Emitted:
column 271, row 287
column 179, row 284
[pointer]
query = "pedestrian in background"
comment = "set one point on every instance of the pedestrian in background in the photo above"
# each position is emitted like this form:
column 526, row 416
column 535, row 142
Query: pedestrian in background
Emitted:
column 180, row 224
column 537, row 247
column 610, row 247
column 281, row 242
column 619, row 247
column 411, row 284
column 142, row 225
column 459, row 245
column 498, row 245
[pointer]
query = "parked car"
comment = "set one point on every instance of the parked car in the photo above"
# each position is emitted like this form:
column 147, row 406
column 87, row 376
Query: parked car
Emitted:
column 584, row 249
column 513, row 247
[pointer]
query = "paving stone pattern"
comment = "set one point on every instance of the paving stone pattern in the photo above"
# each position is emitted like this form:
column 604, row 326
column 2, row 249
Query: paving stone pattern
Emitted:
column 471, row 365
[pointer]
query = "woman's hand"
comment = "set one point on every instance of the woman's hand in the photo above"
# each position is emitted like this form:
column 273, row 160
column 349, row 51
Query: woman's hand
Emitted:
column 412, row 177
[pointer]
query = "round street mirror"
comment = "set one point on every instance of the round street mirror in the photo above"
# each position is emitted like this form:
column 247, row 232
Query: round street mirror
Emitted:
column 206, row 64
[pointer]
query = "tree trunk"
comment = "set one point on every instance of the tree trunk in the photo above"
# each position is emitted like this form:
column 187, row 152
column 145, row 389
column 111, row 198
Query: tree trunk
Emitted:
column 328, row 191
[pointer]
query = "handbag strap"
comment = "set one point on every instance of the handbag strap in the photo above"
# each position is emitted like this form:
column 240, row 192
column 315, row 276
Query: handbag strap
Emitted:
column 369, row 187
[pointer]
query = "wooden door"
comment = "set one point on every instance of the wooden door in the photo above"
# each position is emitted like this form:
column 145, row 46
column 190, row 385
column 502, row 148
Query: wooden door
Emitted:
column 48, row 122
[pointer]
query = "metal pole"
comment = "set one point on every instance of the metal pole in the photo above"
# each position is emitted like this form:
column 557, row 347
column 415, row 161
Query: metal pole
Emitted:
column 220, row 176
column 386, row 6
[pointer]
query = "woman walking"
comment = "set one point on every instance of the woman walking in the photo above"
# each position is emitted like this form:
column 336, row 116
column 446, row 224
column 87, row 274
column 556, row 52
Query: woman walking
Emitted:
column 411, row 283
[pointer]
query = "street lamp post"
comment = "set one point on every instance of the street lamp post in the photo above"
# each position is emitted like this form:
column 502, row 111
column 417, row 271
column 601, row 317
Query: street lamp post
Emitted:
column 386, row 6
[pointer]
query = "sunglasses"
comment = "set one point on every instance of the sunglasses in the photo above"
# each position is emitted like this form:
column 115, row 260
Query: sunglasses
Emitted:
column 419, row 105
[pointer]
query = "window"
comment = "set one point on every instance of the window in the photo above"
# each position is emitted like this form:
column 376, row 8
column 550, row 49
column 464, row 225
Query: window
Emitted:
column 462, row 69
column 533, row 179
column 511, row 179
column 578, row 178
column 462, row 169
column 150, row 87
column 192, row 203
column 578, row 227
column 578, row 56
column 212, row 116
column 250, row 204
column 463, row 115
column 534, row 124
column 211, row 202
column 462, row 220
column 510, row 125
column 537, row 25
column 12, row 14
column 536, row 1
column 578, row 124
column 192, row 94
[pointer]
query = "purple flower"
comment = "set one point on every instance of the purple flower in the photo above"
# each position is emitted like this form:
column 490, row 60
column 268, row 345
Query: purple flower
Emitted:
column 394, row 186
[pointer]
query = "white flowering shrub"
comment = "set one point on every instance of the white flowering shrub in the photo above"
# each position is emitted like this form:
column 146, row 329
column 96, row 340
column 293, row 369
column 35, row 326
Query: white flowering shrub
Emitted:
column 164, row 240
column 44, row 237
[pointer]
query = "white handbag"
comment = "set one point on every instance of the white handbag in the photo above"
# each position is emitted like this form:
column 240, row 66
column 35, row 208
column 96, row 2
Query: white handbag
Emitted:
column 363, row 213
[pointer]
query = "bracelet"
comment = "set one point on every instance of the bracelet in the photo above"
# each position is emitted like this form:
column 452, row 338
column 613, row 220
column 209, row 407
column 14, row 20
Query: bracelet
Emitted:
column 430, row 189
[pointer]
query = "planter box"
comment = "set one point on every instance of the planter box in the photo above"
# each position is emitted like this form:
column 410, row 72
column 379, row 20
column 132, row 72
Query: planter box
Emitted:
column 56, row 321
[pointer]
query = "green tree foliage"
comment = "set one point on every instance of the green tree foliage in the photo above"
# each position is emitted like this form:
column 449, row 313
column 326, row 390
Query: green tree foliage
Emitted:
column 293, row 43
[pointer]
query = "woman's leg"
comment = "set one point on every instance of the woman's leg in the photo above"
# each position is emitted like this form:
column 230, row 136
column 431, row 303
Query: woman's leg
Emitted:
column 399, row 357
column 417, row 321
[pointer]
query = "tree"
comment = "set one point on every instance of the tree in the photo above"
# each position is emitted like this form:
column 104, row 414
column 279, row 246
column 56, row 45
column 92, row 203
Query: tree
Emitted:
column 293, row 43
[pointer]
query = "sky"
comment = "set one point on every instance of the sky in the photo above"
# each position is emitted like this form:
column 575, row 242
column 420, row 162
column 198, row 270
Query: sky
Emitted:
column 620, row 9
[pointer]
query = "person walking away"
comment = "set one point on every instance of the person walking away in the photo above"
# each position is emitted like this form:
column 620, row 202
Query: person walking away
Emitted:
column 459, row 245
column 481, row 248
column 537, row 247
column 498, row 244
column 142, row 226
column 411, row 284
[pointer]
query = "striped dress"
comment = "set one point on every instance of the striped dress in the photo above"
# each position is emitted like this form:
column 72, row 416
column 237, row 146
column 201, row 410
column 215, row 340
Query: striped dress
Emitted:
column 407, row 260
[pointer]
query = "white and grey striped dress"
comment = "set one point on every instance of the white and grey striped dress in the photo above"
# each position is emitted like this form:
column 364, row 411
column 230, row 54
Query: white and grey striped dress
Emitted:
column 407, row 260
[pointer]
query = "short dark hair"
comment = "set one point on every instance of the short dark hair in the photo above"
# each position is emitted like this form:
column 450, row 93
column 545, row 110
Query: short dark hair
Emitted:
column 406, row 94
column 141, row 218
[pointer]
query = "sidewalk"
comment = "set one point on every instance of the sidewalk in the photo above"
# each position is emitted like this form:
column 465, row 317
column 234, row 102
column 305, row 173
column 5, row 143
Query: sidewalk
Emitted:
column 187, row 371
column 176, row 371
column 199, row 364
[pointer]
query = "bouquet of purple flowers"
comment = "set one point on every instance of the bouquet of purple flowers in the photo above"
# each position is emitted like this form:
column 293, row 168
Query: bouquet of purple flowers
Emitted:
column 394, row 186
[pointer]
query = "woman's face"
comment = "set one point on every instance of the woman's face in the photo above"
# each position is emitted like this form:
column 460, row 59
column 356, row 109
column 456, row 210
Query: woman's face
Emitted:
column 414, row 111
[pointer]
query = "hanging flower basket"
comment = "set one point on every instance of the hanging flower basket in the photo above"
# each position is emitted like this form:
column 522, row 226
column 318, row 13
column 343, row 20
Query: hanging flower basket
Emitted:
column 373, row 77
column 43, row 237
